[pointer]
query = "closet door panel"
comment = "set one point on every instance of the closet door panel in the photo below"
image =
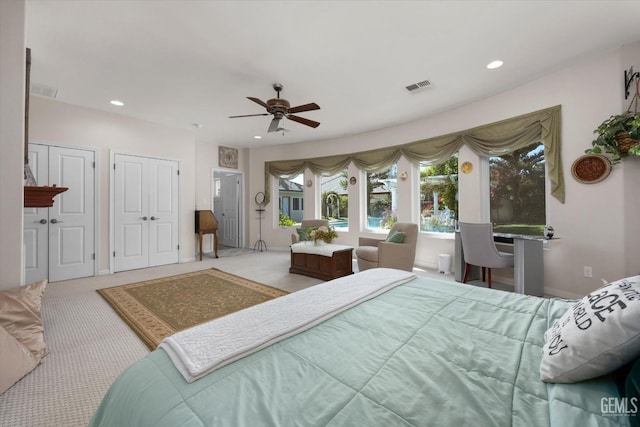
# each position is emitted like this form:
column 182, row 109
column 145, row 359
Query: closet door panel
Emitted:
column 164, row 212
column 131, row 216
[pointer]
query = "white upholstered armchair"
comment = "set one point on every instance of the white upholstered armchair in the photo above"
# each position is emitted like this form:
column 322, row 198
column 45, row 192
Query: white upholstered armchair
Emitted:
column 397, row 251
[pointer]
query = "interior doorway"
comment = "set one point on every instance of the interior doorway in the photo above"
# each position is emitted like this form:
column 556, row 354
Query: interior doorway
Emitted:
column 227, row 206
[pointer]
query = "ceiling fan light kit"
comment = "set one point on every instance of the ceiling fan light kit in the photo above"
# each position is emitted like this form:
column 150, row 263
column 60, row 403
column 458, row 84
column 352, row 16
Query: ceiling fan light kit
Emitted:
column 280, row 109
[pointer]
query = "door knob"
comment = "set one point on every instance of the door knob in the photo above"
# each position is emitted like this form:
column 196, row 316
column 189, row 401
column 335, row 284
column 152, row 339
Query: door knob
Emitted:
column 55, row 221
column 42, row 221
column 144, row 218
column 153, row 218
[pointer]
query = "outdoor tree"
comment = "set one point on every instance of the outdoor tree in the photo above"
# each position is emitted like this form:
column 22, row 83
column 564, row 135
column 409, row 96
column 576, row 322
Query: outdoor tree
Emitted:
column 517, row 183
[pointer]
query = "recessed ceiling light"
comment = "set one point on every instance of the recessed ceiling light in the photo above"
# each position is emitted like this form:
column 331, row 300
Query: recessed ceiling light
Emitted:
column 118, row 103
column 197, row 125
column 494, row 64
column 257, row 137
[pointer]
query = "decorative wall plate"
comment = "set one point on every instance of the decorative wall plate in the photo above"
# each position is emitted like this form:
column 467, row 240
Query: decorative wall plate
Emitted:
column 466, row 167
column 591, row 168
column 353, row 180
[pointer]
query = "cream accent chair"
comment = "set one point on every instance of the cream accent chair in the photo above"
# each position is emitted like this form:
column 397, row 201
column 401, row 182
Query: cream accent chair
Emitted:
column 374, row 253
column 480, row 250
column 306, row 223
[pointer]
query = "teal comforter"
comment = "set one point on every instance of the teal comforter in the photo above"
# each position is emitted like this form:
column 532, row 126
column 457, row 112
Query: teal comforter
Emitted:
column 427, row 353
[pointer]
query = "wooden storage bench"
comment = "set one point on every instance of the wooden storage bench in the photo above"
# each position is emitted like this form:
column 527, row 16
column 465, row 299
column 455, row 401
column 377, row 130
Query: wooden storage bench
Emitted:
column 323, row 262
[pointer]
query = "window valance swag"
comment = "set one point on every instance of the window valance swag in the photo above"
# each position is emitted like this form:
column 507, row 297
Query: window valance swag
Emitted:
column 492, row 139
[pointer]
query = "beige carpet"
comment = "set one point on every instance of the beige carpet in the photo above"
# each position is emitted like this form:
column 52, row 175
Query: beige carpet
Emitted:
column 156, row 309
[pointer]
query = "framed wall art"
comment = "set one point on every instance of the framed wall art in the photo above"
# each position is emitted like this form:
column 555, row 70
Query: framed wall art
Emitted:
column 228, row 157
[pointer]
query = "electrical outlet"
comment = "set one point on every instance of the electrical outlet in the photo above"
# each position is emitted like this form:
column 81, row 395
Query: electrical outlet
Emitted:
column 587, row 271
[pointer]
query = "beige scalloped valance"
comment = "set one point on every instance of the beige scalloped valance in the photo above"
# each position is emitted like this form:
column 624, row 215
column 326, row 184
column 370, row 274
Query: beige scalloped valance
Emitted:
column 492, row 139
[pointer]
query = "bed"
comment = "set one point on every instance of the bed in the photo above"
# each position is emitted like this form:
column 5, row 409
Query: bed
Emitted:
column 424, row 352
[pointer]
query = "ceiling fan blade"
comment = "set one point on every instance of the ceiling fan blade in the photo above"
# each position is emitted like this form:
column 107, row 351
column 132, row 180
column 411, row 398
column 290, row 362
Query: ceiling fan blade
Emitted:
column 305, row 107
column 257, row 101
column 303, row 121
column 273, row 127
column 249, row 115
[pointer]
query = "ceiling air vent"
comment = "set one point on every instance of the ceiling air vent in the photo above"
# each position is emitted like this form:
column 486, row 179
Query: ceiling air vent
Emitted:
column 42, row 90
column 416, row 86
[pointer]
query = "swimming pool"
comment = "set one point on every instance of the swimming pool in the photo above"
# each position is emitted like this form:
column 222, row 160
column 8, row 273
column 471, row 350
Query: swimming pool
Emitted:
column 372, row 223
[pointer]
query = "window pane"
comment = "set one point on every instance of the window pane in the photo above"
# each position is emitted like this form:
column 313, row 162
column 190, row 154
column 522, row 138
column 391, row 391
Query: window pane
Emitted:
column 518, row 191
column 382, row 198
column 290, row 200
column 334, row 201
column 439, row 196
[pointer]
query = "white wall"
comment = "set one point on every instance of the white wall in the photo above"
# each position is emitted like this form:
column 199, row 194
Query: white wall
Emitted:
column 206, row 162
column 592, row 226
column 58, row 123
column 12, row 87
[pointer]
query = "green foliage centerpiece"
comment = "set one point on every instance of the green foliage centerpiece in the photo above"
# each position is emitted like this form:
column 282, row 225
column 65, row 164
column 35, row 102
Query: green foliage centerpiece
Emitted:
column 322, row 233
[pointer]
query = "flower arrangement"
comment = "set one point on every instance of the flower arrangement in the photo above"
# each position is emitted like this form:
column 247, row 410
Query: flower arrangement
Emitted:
column 324, row 233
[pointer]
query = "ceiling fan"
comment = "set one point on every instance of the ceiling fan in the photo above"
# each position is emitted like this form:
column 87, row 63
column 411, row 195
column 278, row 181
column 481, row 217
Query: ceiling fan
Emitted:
column 280, row 108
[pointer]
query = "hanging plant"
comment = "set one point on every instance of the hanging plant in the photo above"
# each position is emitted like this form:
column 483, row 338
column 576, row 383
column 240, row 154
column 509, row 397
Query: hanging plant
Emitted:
column 619, row 135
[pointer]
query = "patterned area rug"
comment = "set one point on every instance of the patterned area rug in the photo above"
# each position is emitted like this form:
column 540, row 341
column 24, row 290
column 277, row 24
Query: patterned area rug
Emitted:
column 155, row 309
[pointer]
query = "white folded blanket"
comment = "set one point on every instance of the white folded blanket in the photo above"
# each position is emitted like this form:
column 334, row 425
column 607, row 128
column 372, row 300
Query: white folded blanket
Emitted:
column 199, row 350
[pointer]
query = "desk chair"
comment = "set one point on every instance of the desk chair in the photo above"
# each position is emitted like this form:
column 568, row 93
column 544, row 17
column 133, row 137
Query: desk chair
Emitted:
column 480, row 250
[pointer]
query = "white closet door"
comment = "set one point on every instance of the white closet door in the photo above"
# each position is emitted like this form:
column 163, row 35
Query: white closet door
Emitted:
column 71, row 219
column 146, row 212
column 59, row 241
column 36, row 221
column 163, row 212
column 131, row 221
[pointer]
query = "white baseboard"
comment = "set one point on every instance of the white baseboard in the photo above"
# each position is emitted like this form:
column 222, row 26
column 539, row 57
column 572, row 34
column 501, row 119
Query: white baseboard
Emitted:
column 190, row 259
column 104, row 272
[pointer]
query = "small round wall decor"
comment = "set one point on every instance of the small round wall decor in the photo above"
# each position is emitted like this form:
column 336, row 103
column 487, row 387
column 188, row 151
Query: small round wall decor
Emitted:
column 591, row 168
column 466, row 167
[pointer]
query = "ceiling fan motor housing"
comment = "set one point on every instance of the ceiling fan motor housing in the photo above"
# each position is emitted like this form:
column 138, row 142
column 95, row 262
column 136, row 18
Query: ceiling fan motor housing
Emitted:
column 278, row 105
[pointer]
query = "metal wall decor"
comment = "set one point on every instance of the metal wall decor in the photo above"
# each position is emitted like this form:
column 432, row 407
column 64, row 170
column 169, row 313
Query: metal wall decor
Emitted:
column 228, row 157
column 629, row 75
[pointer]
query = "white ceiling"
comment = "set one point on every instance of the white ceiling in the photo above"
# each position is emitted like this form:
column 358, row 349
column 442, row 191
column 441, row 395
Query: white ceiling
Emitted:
column 184, row 62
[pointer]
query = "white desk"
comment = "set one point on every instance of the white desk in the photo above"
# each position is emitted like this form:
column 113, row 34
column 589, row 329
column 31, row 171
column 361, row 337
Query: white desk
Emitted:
column 528, row 277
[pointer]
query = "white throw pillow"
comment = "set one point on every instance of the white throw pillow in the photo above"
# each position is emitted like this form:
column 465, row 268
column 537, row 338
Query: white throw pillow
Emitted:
column 597, row 335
